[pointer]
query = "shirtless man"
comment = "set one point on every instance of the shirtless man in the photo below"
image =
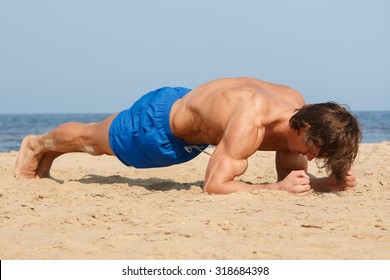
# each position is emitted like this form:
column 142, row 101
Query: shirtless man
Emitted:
column 238, row 115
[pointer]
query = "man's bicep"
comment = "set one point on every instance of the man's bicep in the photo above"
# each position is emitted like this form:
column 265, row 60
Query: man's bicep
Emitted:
column 242, row 138
column 221, row 169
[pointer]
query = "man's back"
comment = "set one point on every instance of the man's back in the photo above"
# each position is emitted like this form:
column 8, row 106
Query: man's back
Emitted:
column 203, row 115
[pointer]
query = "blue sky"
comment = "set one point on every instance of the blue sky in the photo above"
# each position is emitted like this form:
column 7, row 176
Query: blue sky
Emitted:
column 100, row 56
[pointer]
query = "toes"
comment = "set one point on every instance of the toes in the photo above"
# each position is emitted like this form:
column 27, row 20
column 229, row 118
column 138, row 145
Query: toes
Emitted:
column 27, row 160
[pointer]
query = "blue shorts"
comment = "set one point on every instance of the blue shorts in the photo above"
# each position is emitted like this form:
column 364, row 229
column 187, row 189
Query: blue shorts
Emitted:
column 142, row 137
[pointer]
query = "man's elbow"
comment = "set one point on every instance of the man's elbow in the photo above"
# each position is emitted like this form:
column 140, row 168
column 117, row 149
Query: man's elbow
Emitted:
column 215, row 188
column 210, row 189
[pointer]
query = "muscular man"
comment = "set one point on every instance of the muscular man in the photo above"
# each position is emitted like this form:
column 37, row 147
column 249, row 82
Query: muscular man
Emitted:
column 239, row 115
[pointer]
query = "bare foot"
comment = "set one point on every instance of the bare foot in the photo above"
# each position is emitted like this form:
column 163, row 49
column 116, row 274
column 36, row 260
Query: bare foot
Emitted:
column 28, row 159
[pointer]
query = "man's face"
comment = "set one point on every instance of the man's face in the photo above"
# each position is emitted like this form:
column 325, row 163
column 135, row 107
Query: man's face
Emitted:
column 297, row 144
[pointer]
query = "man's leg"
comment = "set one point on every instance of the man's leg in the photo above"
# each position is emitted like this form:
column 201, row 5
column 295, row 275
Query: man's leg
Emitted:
column 37, row 152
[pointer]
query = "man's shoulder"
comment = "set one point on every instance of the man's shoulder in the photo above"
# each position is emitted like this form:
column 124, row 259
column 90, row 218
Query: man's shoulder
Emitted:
column 293, row 95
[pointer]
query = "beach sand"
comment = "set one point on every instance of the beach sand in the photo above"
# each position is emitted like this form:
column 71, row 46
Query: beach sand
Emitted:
column 96, row 208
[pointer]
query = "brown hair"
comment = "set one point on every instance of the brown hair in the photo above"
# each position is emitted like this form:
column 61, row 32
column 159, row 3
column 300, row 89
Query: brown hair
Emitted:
column 334, row 131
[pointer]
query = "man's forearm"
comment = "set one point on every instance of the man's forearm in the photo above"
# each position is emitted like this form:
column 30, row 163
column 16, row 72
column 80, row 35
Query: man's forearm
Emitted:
column 325, row 184
column 238, row 186
column 319, row 184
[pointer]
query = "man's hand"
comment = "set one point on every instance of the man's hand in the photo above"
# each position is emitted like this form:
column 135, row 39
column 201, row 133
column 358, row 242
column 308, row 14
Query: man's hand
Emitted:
column 297, row 182
column 330, row 184
column 350, row 182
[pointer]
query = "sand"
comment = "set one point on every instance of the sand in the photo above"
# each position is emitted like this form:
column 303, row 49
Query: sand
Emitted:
column 96, row 208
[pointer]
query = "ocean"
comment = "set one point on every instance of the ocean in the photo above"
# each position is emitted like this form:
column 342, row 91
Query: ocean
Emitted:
column 375, row 126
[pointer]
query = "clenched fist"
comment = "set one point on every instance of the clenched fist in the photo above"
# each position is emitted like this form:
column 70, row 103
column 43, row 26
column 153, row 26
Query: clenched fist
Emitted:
column 297, row 182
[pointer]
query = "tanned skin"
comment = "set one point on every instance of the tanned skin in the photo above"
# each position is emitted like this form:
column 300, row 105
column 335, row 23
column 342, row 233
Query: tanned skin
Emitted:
column 240, row 116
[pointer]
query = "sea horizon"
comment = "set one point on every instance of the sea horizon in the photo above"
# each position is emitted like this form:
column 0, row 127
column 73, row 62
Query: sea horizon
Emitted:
column 375, row 125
